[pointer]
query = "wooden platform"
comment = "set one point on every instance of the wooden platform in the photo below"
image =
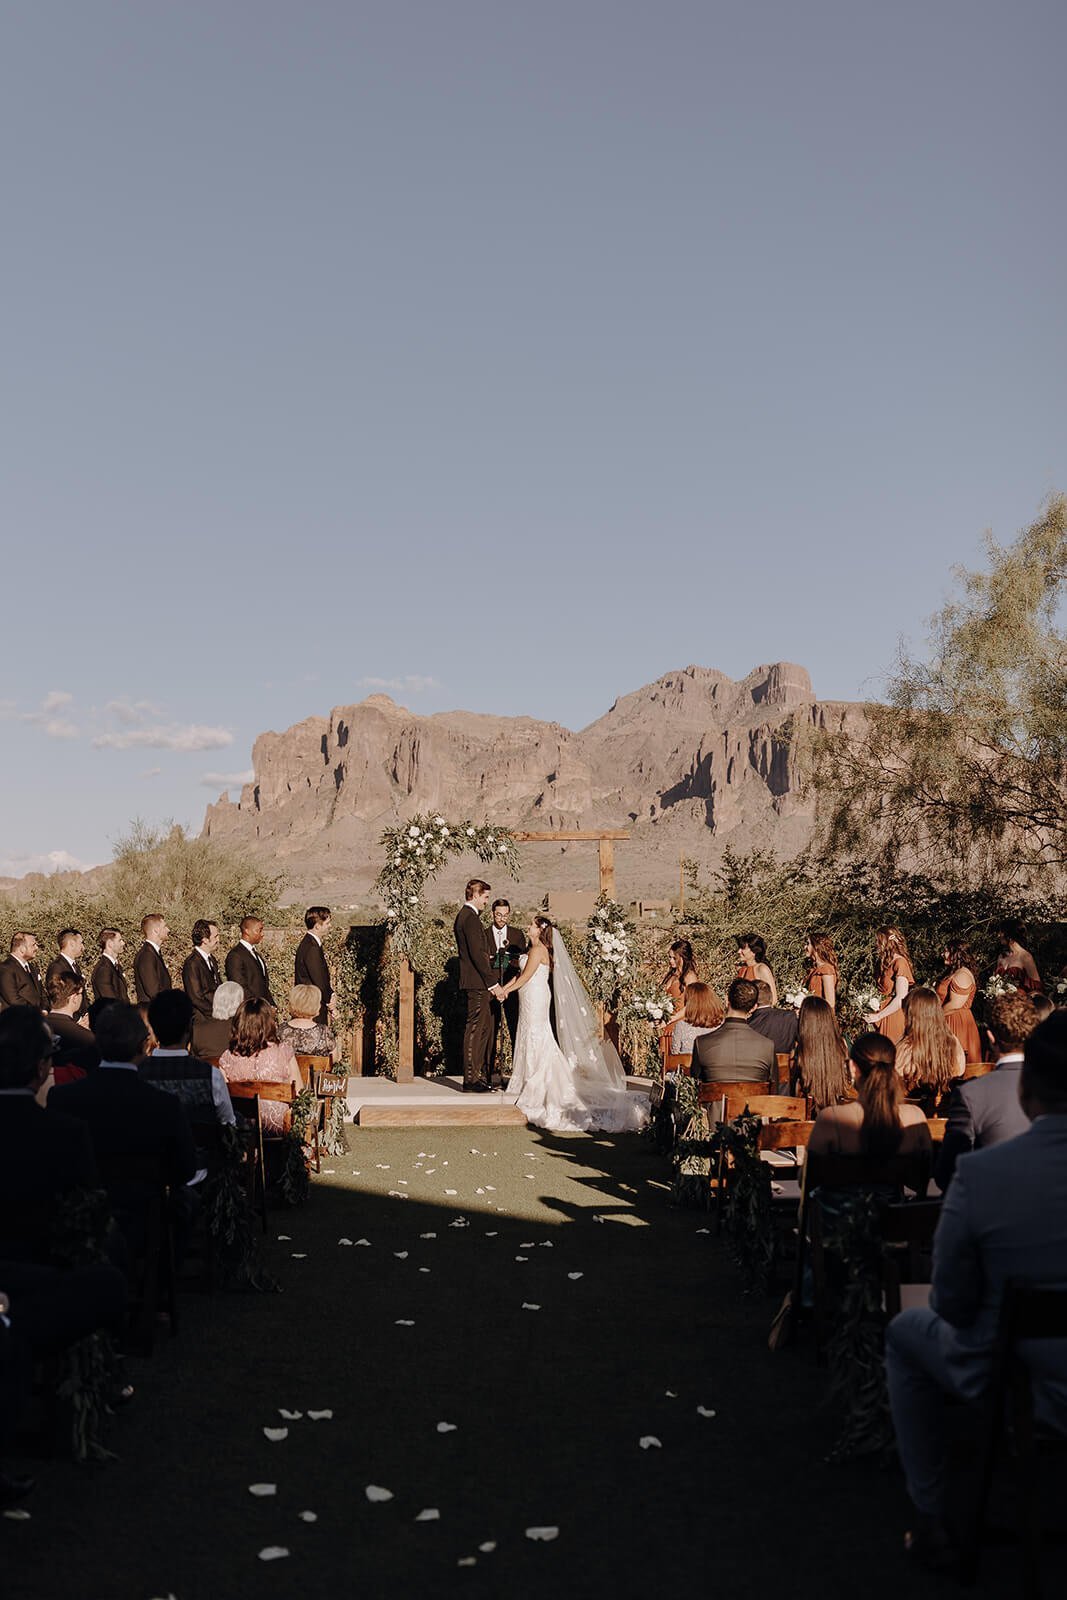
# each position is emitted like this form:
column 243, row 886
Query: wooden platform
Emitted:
column 435, row 1103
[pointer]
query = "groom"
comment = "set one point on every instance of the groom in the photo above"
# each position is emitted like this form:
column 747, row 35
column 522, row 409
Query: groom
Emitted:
column 479, row 985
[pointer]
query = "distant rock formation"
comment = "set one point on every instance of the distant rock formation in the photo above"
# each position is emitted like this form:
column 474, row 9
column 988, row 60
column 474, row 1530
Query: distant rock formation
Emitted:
column 691, row 763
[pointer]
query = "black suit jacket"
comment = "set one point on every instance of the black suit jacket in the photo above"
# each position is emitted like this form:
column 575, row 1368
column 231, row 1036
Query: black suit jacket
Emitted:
column 62, row 968
column 19, row 987
column 109, row 982
column 77, row 1044
column 777, row 1024
column 310, row 967
column 150, row 973
column 42, row 1155
column 200, row 979
column 515, row 945
column 474, row 969
column 242, row 967
column 127, row 1116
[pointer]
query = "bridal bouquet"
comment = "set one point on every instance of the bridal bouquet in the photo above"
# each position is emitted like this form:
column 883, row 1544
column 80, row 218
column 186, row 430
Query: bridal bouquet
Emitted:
column 796, row 997
column 867, row 1000
column 998, row 986
column 607, row 952
column 651, row 1005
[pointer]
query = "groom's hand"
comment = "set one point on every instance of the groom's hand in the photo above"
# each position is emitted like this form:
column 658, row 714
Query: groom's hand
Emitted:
column 496, row 991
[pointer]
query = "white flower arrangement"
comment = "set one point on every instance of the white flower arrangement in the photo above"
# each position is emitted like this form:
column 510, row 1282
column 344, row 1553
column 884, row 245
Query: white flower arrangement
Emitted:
column 867, row 999
column 796, row 997
column 998, row 986
column 651, row 1005
column 607, row 952
column 416, row 850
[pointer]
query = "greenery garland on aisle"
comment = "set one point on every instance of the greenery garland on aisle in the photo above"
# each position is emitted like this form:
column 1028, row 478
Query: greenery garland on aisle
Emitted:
column 88, row 1370
column 747, row 1210
column 416, row 850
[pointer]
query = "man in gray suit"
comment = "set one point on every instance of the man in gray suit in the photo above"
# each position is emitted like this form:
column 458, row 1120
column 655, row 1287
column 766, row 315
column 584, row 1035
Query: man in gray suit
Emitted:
column 735, row 1053
column 985, row 1111
column 1005, row 1216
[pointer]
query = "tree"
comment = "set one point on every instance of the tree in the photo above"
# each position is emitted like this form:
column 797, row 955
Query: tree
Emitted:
column 964, row 769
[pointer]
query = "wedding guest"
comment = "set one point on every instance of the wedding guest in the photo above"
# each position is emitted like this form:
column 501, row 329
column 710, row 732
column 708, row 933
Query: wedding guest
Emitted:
column 43, row 1154
column 75, row 1051
column 1014, row 960
column 200, row 969
column 20, row 977
column 752, row 962
column 735, row 1053
column 956, row 990
column 702, row 1014
column 309, row 966
column 895, row 978
column 67, row 964
column 245, row 965
column 199, row 1086
column 307, row 1035
column 823, row 969
column 776, row 1023
column 820, row 1067
column 150, row 973
column 257, row 1055
column 879, row 1122
column 986, row 1111
column 929, row 1057
column 1004, row 1217
column 212, row 1035
column 108, row 980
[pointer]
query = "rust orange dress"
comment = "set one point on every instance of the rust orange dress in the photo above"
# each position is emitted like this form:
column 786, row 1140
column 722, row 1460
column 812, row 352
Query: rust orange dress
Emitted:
column 1020, row 978
column 816, row 980
column 961, row 1021
column 746, row 972
column 892, row 1027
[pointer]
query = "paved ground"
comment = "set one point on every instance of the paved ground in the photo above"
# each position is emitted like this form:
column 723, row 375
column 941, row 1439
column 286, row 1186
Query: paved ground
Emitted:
column 573, row 1315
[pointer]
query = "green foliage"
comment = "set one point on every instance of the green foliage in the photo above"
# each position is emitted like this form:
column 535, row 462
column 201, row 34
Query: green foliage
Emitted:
column 747, row 1215
column 416, row 850
column 965, row 768
column 852, row 1238
column 229, row 1218
column 295, row 1181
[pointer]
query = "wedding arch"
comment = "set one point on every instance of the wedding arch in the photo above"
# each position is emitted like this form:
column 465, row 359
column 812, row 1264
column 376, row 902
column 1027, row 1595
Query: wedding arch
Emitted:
column 414, row 853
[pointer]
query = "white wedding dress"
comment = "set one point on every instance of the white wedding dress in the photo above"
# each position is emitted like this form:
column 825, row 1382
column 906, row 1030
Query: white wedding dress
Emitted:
column 578, row 1089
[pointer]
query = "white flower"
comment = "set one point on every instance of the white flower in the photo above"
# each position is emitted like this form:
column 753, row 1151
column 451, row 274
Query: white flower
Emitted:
column 440, row 821
column 413, row 832
column 470, row 833
column 502, row 849
column 413, row 899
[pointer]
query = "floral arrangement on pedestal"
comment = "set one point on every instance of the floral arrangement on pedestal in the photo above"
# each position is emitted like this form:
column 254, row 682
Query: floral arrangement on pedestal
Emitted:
column 416, row 850
column 607, row 954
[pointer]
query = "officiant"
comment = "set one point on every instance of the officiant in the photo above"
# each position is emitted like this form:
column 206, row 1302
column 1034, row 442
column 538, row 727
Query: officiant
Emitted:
column 506, row 944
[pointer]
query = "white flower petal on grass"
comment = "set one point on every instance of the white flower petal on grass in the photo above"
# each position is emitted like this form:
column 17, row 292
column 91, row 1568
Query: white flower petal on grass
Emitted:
column 273, row 1552
column 528, row 1305
column 530, row 1246
column 375, row 1492
column 19, row 1514
column 467, row 1561
column 598, row 1219
column 401, row 1255
column 308, row 1516
column 325, row 1415
column 490, row 1188
column 451, row 1191
column 574, row 1276
column 285, row 1238
column 492, row 1235
column 397, row 1194
column 544, row 1535
column 703, row 1230
column 275, row 1434
column 404, row 1322
column 362, row 1241
column 298, row 1255
column 328, row 1172
column 446, row 1427
column 424, row 1269
column 648, row 1441
column 429, row 1514
column 427, row 1236
column 479, row 1191
column 488, row 1547
column 522, row 1258
column 702, row 1411
column 345, row 1241
column 290, row 1416
column 671, row 1394
column 262, row 1490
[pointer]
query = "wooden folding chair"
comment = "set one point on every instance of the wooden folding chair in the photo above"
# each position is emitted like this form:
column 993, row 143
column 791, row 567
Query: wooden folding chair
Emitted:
column 245, row 1100
column 783, row 1061
column 1028, row 1311
column 908, row 1227
column 976, row 1069
column 679, row 1063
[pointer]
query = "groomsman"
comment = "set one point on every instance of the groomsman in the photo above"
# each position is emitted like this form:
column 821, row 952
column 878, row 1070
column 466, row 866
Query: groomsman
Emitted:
column 245, row 965
column 109, row 980
column 506, row 945
column 67, row 964
column 200, row 972
column 20, row 976
column 310, row 964
column 150, row 972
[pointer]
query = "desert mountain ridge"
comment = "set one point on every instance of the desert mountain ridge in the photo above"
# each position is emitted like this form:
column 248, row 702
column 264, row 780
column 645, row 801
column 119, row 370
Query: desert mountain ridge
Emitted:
column 691, row 764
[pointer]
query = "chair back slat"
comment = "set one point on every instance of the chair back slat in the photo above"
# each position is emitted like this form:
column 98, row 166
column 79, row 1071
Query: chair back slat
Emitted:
column 311, row 1067
column 977, row 1069
column 256, row 1089
column 785, row 1135
column 679, row 1063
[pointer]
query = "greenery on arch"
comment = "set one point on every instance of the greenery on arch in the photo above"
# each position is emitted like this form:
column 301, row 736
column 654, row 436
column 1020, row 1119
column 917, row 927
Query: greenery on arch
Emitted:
column 416, row 850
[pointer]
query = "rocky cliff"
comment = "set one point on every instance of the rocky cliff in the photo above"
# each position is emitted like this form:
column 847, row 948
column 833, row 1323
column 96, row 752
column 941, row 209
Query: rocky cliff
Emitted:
column 691, row 764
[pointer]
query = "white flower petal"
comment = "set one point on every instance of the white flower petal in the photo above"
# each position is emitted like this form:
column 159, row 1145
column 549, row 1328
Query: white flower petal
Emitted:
column 649, row 1441
column 404, row 1322
column 276, row 1434
column 703, row 1411
column 451, row 1191
column 285, row 1238
column 528, row 1305
column 362, row 1241
column 467, row 1561
column 522, row 1258
column 446, row 1427
column 262, row 1490
column 429, row 1514
column 290, row 1416
column 574, row 1276
column 427, row 1236
column 401, row 1255
column 308, row 1516
column 18, row 1514
column 298, row 1255
column 671, row 1394
column 487, row 1547
column 542, row 1534
column 273, row 1552
column 321, row 1416
column 375, row 1492
column 344, row 1241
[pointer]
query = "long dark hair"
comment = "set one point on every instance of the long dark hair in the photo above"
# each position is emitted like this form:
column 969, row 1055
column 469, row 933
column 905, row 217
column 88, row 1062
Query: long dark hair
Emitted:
column 682, row 947
column 544, row 932
column 889, row 943
column 821, row 1054
column 879, row 1091
column 823, row 947
column 959, row 955
column 254, row 1027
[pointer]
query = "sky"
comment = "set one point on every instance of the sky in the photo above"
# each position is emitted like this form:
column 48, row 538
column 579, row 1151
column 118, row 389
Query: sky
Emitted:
column 498, row 356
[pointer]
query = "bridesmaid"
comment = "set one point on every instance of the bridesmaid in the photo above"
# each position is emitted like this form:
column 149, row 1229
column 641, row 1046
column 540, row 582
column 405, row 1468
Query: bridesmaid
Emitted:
column 895, row 978
column 681, row 972
column 823, row 969
column 956, row 991
column 1014, row 960
column 752, row 962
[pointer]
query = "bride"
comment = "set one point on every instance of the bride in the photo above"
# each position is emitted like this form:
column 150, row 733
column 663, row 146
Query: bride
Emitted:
column 578, row 1085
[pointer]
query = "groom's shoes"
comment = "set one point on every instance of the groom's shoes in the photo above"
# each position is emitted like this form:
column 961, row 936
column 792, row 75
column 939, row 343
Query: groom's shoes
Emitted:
column 476, row 1088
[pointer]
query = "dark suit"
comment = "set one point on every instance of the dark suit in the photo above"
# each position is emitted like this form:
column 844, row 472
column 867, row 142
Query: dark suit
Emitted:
column 77, row 1044
column 515, row 943
column 150, row 973
column 250, row 971
column 42, row 1156
column 734, row 1053
column 475, row 978
column 62, row 968
column 200, row 978
column 310, row 967
column 19, row 987
column 211, row 1037
column 778, row 1024
column 981, row 1112
column 109, row 982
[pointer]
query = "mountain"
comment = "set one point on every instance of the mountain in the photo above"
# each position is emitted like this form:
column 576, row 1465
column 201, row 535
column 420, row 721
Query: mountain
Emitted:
column 691, row 763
